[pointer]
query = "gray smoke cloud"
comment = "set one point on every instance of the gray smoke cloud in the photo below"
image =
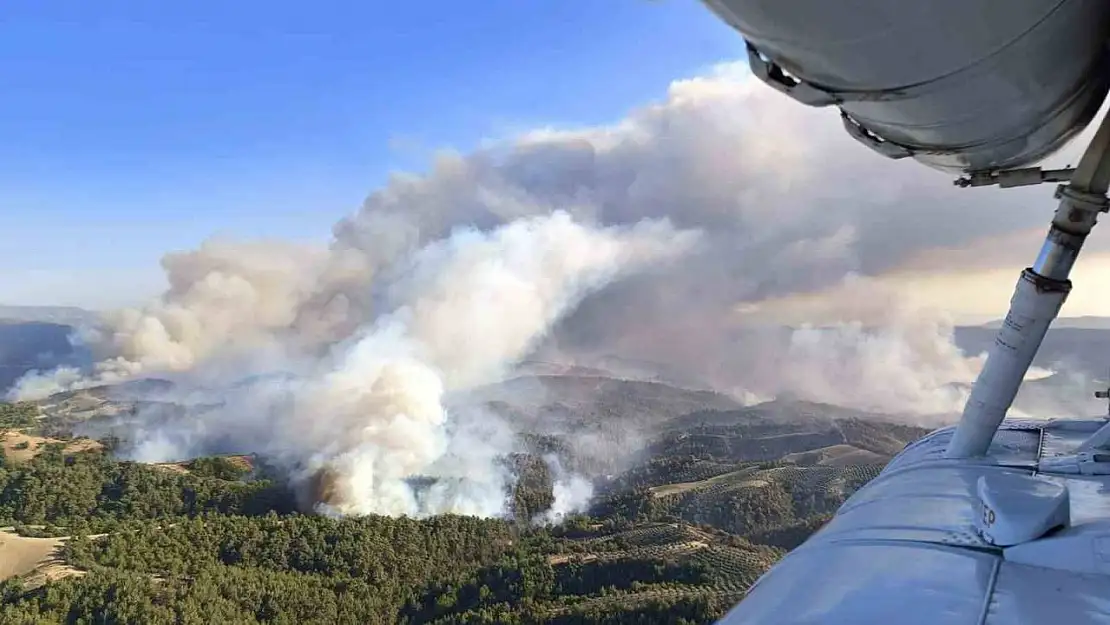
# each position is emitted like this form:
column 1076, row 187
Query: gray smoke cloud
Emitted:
column 357, row 423
column 646, row 238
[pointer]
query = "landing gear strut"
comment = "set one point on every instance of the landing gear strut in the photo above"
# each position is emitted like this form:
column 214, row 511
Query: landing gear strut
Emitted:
column 1040, row 293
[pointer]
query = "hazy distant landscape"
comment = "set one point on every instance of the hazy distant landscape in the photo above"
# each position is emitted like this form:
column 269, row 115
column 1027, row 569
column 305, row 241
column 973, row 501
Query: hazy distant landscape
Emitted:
column 1084, row 346
column 61, row 315
column 36, row 337
column 29, row 345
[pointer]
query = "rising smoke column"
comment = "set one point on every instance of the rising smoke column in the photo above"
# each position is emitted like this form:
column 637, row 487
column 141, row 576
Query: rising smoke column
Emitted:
column 463, row 310
column 788, row 204
column 443, row 279
column 371, row 413
column 225, row 299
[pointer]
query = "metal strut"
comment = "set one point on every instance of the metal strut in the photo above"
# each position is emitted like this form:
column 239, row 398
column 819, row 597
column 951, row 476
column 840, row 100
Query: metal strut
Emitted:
column 1010, row 178
column 1037, row 299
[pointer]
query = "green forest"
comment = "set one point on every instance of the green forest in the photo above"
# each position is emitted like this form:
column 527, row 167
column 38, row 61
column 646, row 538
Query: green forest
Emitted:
column 208, row 546
column 675, row 539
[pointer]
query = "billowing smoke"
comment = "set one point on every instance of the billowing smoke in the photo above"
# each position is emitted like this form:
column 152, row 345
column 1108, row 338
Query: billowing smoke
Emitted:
column 571, row 491
column 229, row 298
column 657, row 239
column 461, row 311
column 357, row 423
column 40, row 384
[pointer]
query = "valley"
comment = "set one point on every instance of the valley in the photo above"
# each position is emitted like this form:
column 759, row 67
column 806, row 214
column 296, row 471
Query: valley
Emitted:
column 680, row 523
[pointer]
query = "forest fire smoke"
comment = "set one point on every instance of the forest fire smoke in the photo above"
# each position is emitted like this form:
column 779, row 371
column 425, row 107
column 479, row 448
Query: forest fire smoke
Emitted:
column 638, row 238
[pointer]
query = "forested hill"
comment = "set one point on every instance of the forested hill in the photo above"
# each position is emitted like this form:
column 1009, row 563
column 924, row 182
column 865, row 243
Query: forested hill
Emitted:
column 677, row 536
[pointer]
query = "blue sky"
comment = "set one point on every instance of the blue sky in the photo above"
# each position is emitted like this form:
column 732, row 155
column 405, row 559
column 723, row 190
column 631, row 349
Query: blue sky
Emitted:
column 131, row 128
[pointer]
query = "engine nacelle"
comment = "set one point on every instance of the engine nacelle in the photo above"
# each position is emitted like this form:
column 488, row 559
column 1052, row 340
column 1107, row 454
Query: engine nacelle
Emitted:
column 960, row 85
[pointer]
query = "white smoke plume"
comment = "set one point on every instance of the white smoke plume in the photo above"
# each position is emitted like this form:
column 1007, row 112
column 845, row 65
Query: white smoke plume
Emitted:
column 37, row 385
column 232, row 299
column 443, row 280
column 224, row 297
column 370, row 414
column 572, row 492
column 465, row 309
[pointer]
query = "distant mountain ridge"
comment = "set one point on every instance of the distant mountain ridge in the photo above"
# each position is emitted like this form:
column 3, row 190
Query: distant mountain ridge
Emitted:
column 64, row 315
column 37, row 337
column 30, row 345
column 1086, row 322
column 1085, row 349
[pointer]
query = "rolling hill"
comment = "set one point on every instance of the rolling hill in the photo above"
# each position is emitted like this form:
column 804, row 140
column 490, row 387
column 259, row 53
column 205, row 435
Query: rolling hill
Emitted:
column 685, row 516
column 695, row 496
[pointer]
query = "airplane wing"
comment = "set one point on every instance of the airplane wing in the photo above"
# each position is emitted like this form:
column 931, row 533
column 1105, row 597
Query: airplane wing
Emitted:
column 1021, row 536
column 993, row 521
column 966, row 85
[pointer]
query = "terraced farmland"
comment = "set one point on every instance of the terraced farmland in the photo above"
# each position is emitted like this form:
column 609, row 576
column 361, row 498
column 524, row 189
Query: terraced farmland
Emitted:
column 659, row 563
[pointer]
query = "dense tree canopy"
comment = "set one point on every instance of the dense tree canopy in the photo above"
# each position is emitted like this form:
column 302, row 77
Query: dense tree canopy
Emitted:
column 90, row 491
column 17, row 415
column 677, row 538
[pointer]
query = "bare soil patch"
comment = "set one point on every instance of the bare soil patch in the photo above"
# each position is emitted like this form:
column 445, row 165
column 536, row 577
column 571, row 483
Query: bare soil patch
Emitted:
column 20, row 446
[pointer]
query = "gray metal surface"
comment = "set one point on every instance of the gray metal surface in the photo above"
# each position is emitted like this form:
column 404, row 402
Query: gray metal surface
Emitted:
column 1016, row 446
column 904, row 548
column 1031, row 595
column 968, row 85
column 1064, row 438
column 1038, row 297
column 1035, row 303
column 864, row 583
